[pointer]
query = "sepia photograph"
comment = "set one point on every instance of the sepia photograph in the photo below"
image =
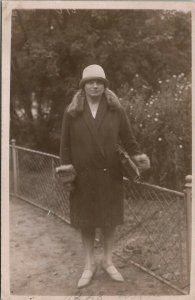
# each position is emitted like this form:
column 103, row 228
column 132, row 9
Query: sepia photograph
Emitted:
column 98, row 128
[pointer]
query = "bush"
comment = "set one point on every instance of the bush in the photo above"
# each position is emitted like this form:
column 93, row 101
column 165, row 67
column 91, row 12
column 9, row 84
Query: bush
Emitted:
column 161, row 121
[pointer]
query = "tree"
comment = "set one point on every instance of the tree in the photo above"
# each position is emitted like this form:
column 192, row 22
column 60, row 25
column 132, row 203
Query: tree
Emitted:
column 50, row 48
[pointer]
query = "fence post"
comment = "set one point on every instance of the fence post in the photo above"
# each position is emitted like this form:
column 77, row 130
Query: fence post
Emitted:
column 14, row 166
column 188, row 199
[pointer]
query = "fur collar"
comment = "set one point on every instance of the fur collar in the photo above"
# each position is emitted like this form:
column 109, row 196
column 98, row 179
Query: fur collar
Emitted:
column 77, row 105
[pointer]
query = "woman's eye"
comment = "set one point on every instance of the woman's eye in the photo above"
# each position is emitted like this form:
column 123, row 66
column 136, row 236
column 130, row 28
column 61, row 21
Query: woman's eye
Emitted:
column 98, row 82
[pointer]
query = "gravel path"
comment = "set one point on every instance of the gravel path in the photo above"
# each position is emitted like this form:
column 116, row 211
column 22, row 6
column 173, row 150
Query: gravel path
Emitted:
column 47, row 259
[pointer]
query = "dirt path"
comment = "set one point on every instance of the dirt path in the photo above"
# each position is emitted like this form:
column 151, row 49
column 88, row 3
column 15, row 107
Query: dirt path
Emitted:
column 47, row 259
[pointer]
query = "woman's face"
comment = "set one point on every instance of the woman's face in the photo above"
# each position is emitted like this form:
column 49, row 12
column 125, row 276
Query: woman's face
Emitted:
column 94, row 88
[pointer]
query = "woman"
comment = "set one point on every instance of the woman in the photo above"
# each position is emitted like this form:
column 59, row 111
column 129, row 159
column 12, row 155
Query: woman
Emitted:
column 93, row 125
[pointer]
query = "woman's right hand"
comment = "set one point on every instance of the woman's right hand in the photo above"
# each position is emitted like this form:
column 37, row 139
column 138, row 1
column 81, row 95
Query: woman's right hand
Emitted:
column 66, row 173
column 69, row 186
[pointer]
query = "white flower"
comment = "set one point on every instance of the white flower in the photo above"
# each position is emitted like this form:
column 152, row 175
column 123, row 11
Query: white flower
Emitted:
column 146, row 104
column 136, row 75
column 131, row 89
column 167, row 80
column 148, row 116
column 141, row 125
column 151, row 102
column 156, row 119
column 159, row 139
column 160, row 81
column 157, row 114
column 180, row 92
column 51, row 27
column 180, row 146
column 174, row 76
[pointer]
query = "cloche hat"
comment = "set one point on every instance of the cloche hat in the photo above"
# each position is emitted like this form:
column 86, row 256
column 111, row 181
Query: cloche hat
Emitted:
column 93, row 72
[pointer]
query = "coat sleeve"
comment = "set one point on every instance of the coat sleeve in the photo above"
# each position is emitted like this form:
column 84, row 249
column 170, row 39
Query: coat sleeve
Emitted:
column 65, row 153
column 126, row 135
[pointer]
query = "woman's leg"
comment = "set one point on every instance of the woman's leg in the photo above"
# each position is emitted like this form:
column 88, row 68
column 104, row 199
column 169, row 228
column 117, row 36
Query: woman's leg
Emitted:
column 108, row 234
column 107, row 263
column 88, row 237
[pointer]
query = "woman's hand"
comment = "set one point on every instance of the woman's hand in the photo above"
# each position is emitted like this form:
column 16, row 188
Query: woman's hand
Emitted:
column 67, row 175
column 142, row 161
column 69, row 187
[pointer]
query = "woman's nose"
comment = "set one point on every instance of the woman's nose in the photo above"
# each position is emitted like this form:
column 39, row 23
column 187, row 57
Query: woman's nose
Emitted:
column 95, row 84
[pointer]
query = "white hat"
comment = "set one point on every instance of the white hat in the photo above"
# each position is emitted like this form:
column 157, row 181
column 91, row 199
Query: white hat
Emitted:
column 93, row 72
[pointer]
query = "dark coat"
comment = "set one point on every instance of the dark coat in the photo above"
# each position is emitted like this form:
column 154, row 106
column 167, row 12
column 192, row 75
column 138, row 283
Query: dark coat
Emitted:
column 90, row 145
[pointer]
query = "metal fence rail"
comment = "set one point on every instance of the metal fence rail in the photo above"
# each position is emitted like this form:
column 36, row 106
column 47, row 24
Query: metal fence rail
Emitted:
column 154, row 236
column 36, row 181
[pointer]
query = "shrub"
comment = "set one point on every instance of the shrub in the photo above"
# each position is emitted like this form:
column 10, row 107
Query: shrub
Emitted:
column 161, row 121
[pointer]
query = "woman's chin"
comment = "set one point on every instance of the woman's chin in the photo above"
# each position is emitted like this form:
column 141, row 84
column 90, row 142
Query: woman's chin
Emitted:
column 95, row 95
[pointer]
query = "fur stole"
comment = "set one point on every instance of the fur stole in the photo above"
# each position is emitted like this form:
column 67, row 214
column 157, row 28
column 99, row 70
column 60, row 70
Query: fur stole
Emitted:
column 77, row 105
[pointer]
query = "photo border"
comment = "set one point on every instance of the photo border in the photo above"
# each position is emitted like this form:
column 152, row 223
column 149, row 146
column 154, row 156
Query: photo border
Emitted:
column 7, row 7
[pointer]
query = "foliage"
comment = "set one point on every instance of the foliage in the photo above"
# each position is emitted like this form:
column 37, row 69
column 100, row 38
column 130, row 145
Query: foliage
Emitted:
column 162, row 125
column 50, row 48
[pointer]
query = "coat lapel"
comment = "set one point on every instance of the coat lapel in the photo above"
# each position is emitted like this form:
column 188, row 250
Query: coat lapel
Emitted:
column 102, row 109
column 90, row 122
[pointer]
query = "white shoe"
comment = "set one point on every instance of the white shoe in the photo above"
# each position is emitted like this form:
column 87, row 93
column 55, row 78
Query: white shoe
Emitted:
column 113, row 272
column 86, row 278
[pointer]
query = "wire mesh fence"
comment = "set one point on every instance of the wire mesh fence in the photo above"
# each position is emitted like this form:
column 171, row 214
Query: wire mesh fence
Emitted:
column 37, row 182
column 154, row 234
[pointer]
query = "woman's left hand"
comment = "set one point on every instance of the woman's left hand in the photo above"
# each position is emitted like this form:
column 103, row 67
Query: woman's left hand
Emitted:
column 142, row 161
